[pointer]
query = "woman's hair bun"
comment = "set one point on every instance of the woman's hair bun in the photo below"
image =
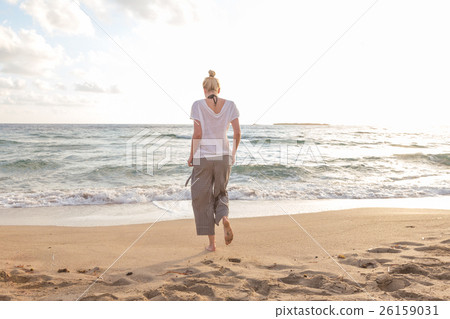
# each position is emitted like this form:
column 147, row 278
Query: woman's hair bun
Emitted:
column 210, row 83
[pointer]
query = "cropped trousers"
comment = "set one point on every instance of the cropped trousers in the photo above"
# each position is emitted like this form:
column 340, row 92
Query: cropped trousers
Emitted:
column 209, row 192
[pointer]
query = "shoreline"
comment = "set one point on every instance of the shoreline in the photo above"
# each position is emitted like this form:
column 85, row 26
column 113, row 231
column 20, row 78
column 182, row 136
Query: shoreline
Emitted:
column 393, row 254
column 141, row 213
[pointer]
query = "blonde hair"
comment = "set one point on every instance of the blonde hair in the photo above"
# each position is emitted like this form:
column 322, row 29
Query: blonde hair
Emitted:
column 210, row 83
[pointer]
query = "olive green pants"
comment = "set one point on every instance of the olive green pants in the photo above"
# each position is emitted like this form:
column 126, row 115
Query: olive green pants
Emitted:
column 209, row 192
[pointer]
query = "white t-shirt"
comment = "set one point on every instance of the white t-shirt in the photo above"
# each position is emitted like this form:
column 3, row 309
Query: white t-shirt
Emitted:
column 214, row 140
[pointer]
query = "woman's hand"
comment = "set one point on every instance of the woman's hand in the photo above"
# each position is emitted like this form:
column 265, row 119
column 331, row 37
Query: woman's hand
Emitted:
column 233, row 159
column 190, row 161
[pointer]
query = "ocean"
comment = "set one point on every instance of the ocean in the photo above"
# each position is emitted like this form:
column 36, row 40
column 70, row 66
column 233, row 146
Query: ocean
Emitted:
column 68, row 165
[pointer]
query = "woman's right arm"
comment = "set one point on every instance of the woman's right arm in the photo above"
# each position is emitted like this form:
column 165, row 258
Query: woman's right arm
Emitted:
column 236, row 137
column 196, row 137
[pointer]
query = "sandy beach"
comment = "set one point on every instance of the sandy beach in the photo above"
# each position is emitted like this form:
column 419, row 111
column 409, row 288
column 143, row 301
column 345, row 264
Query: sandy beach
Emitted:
column 377, row 254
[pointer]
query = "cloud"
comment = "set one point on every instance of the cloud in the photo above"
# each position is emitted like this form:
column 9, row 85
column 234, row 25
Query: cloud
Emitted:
column 8, row 83
column 27, row 52
column 43, row 85
column 114, row 89
column 101, row 9
column 60, row 86
column 42, row 99
column 60, row 17
column 67, row 18
column 95, row 88
column 170, row 11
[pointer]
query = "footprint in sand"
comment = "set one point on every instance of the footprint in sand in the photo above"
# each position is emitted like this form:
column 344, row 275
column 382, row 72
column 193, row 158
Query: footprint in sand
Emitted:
column 220, row 270
column 261, row 287
column 66, row 284
column 234, row 260
column 435, row 248
column 316, row 279
column 407, row 295
column 38, row 285
column 389, row 283
column 384, row 250
column 200, row 289
column 383, row 260
column 47, row 284
column 120, row 282
column 135, row 298
column 408, row 243
column 442, row 276
column 182, row 271
column 276, row 266
column 361, row 263
column 409, row 269
column 4, row 276
column 425, row 283
column 102, row 297
column 424, row 261
column 238, row 296
column 94, row 271
column 18, row 279
column 207, row 262
column 327, row 284
column 152, row 294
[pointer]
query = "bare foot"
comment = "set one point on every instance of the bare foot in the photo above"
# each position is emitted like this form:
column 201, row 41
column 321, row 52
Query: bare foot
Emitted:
column 227, row 230
column 211, row 248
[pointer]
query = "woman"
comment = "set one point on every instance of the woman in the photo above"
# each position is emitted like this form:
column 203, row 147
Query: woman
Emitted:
column 212, row 159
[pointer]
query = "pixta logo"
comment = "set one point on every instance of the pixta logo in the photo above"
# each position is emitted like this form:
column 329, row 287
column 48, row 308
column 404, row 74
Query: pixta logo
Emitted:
column 148, row 151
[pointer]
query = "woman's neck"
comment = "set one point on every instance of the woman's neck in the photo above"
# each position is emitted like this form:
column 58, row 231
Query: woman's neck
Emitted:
column 211, row 93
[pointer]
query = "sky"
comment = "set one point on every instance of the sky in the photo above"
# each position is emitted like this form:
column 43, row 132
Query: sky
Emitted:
column 143, row 61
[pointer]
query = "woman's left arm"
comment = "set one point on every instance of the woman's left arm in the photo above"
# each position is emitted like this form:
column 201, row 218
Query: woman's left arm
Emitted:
column 236, row 137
